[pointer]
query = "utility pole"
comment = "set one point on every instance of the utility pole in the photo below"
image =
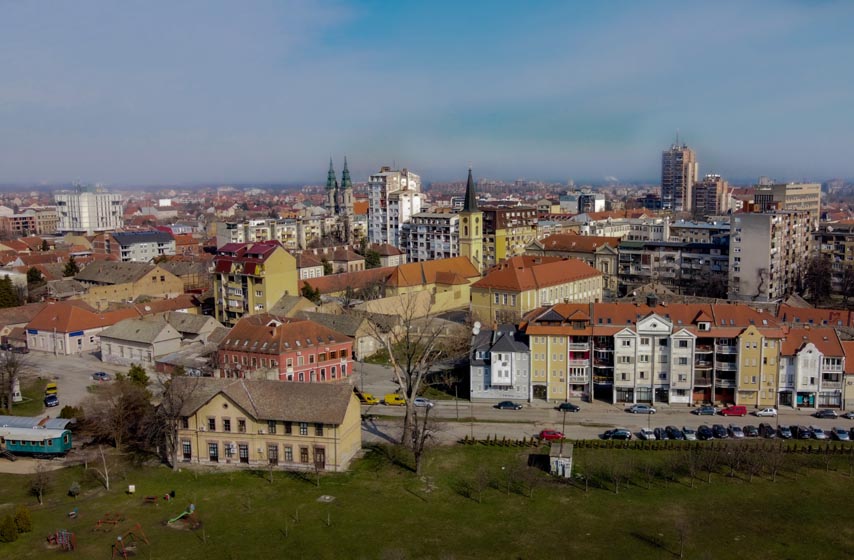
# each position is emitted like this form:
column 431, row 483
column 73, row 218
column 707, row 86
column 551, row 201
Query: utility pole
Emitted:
column 563, row 432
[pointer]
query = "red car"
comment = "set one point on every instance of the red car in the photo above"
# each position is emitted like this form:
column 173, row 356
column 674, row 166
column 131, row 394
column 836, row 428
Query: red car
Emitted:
column 551, row 435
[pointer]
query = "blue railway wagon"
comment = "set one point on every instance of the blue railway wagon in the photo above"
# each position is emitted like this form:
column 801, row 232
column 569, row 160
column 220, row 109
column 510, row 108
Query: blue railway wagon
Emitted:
column 35, row 441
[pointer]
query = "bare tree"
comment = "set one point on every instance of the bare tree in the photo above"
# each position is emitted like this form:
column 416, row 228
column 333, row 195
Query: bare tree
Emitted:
column 118, row 412
column 415, row 345
column 40, row 483
column 774, row 460
column 709, row 458
column 104, row 472
column 165, row 421
column 12, row 366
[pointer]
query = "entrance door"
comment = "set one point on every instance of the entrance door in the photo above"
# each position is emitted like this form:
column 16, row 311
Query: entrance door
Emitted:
column 319, row 458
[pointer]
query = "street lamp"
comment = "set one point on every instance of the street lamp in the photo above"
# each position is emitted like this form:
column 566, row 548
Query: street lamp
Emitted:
column 563, row 432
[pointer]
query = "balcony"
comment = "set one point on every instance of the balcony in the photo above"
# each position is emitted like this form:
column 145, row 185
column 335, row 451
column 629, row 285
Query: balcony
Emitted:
column 606, row 379
column 579, row 379
column 579, row 346
column 725, row 383
column 832, row 368
column 724, row 349
column 726, row 366
column 703, row 349
column 831, row 385
column 576, row 363
column 703, row 364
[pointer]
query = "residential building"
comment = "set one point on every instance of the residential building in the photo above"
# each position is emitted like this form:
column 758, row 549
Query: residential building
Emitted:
column 135, row 246
column 848, row 390
column 601, row 253
column 812, row 368
column 89, row 211
column 114, row 281
column 139, row 341
column 523, row 283
column 67, row 328
column 389, row 254
column 429, row 236
column 507, row 231
column 357, row 326
column 710, row 196
column 499, row 365
column 798, row 197
column 35, row 220
column 395, row 196
column 591, row 202
column 257, row 423
column 265, row 346
column 250, row 277
column 679, row 171
column 685, row 268
column 768, row 254
column 684, row 231
column 835, row 242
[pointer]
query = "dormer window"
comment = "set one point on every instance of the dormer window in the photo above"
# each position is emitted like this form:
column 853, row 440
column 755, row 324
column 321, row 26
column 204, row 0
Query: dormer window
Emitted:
column 703, row 326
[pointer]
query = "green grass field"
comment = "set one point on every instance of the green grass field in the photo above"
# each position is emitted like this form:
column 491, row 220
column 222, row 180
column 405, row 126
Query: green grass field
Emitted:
column 33, row 392
column 462, row 508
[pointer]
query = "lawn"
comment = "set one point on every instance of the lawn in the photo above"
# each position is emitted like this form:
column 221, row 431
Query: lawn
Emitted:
column 462, row 508
column 33, row 392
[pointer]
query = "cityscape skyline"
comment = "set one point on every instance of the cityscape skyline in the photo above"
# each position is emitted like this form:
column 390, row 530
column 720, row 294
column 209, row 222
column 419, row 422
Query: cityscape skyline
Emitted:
column 203, row 93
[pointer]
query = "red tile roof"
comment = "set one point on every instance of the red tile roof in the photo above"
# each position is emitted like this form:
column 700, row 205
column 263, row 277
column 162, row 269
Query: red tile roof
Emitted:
column 70, row 316
column 809, row 316
column 526, row 272
column 824, row 338
column 577, row 243
column 270, row 334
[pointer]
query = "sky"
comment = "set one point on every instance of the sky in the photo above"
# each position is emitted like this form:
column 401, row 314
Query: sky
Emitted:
column 165, row 92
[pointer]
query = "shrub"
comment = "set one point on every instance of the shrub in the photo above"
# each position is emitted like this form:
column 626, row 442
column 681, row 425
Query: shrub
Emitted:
column 23, row 519
column 74, row 489
column 8, row 530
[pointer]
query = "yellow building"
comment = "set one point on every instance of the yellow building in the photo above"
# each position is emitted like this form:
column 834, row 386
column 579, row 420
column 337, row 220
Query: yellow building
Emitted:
column 471, row 227
column 250, row 423
column 119, row 282
column 758, row 358
column 524, row 283
column 507, row 232
column 250, row 278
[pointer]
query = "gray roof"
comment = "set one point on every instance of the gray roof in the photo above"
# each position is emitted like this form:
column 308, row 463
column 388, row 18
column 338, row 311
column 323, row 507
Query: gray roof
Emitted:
column 504, row 339
column 270, row 400
column 345, row 324
column 125, row 238
column 184, row 268
column 145, row 330
column 190, row 322
column 286, row 304
column 218, row 334
column 35, row 422
column 114, row 272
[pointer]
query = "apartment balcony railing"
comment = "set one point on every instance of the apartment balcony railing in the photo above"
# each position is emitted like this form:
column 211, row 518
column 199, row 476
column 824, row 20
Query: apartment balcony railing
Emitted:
column 726, row 366
column 831, row 385
column 832, row 367
column 725, row 383
column 702, row 364
column 603, row 379
column 703, row 349
column 724, row 349
column 582, row 346
column 579, row 378
column 576, row 363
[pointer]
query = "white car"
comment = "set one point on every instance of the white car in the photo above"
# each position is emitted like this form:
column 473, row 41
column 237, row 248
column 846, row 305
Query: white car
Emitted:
column 421, row 401
column 690, row 433
column 646, row 434
column 767, row 412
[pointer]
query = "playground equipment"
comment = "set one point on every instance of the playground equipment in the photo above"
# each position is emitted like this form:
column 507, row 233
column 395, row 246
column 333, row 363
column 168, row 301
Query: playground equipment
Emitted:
column 186, row 514
column 66, row 540
column 108, row 519
column 153, row 499
column 73, row 513
column 126, row 545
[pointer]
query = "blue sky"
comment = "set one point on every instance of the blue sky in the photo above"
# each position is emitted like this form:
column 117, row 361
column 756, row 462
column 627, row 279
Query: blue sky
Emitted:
column 148, row 92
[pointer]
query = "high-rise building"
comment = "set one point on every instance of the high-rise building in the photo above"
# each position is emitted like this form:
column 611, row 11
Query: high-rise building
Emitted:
column 394, row 197
column 679, row 172
column 89, row 211
column 801, row 197
column 710, row 196
column 429, row 236
column 768, row 254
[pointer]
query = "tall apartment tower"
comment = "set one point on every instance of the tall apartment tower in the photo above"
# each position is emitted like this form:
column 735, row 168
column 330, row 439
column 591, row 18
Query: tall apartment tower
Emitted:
column 801, row 197
column 679, row 171
column 710, row 196
column 89, row 211
column 395, row 195
column 471, row 227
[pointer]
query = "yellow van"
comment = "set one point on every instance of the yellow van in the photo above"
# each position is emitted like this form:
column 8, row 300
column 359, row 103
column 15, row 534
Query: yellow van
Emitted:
column 367, row 398
column 393, row 399
column 50, row 389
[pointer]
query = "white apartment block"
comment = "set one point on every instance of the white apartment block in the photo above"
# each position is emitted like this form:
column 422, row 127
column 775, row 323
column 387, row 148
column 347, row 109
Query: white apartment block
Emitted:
column 89, row 212
column 429, row 236
column 394, row 197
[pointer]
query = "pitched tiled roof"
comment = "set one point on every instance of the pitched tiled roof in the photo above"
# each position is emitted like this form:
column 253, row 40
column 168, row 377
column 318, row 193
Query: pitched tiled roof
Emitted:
column 71, row 316
column 20, row 315
column 848, row 349
column 114, row 272
column 577, row 243
column 346, row 255
column 286, row 401
column 808, row 316
column 270, row 334
column 824, row 338
column 190, row 322
column 385, row 249
column 145, row 330
column 525, row 272
column 307, row 260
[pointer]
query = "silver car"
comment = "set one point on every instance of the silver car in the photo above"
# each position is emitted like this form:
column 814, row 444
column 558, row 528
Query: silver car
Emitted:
column 690, row 433
column 818, row 433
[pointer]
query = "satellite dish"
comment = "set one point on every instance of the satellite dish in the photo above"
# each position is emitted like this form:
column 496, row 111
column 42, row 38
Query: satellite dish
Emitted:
column 476, row 328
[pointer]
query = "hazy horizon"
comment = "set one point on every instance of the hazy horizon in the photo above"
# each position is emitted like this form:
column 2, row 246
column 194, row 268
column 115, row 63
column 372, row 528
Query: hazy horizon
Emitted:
column 198, row 92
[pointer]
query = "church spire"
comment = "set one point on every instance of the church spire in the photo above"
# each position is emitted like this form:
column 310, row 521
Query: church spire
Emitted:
column 331, row 181
column 345, row 176
column 470, row 203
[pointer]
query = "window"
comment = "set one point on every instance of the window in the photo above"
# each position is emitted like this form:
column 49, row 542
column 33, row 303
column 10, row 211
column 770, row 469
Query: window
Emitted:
column 271, row 426
column 643, row 359
column 243, row 452
column 311, row 358
column 185, row 422
column 662, row 376
column 187, row 450
column 303, row 454
column 624, row 376
column 289, row 454
column 321, row 357
column 495, row 300
column 625, row 343
column 625, row 360
column 683, row 361
column 319, row 457
column 212, row 424
column 288, row 430
column 258, row 293
column 289, row 362
column 683, row 344
column 213, row 452
column 513, row 300
column 300, row 360
column 318, row 429
column 683, row 377
column 226, row 424
column 241, row 425
column 272, row 453
column 644, row 341
column 303, row 428
column 333, row 355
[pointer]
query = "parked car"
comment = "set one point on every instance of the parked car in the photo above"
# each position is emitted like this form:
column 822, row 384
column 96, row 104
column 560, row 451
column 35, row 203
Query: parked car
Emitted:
column 550, row 435
column 817, row 432
column 5, row 346
column 840, row 434
column 508, row 405
column 849, row 415
column 20, row 350
column 826, row 413
column 661, row 433
column 641, row 409
column 617, row 433
column 674, row 433
column 646, row 434
column 751, row 431
column 801, row 432
column 705, row 410
column 421, row 401
column 394, row 399
column 784, row 432
column 101, row 376
column 734, row 410
column 50, row 389
column 735, row 431
column 770, row 411
column 767, row 431
column 719, row 431
column 704, row 432
column 367, row 398
column 51, row 400
column 568, row 407
column 689, row 433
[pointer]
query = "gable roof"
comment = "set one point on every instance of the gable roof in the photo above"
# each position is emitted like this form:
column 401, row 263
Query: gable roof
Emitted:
column 190, row 322
column 825, row 340
column 269, row 334
column 70, row 316
column 347, row 324
column 145, row 330
column 810, row 316
column 525, row 272
column 287, row 401
column 114, row 272
column 577, row 243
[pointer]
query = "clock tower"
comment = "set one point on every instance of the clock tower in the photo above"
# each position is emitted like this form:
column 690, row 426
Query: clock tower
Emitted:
column 471, row 227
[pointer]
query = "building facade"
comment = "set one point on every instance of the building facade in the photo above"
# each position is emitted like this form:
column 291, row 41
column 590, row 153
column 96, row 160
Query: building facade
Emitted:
column 507, row 231
column 395, row 196
column 429, row 236
column 710, row 196
column 87, row 211
column 797, row 197
column 679, row 171
column 135, row 246
column 499, row 365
